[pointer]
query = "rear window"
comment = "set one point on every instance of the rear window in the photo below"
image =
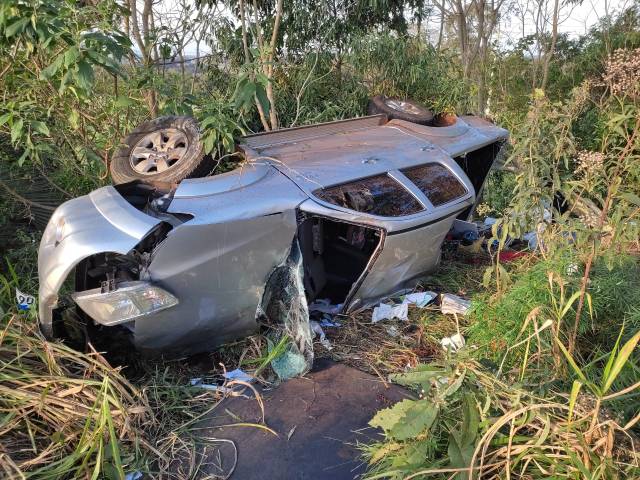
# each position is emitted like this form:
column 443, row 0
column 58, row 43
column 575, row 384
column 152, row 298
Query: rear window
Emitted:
column 379, row 195
column 436, row 182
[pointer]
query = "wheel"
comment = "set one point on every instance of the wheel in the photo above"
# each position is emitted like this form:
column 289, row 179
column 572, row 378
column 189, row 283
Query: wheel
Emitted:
column 400, row 109
column 166, row 149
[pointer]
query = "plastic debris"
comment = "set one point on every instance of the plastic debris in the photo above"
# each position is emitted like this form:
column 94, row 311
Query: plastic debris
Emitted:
column 327, row 321
column 452, row 343
column 420, row 299
column 453, row 304
column 239, row 375
column 197, row 382
column 386, row 311
column 511, row 255
column 532, row 239
column 290, row 364
column 133, row 476
column 284, row 304
column 317, row 329
column 572, row 269
column 460, row 228
column 324, row 305
column 24, row 301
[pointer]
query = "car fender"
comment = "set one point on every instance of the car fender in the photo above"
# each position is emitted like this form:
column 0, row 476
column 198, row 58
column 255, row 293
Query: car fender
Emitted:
column 102, row 221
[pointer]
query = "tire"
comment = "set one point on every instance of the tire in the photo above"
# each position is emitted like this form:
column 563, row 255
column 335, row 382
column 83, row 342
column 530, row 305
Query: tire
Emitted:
column 166, row 149
column 400, row 109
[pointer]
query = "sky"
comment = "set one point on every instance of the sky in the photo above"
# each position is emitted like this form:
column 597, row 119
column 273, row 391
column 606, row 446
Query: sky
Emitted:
column 575, row 20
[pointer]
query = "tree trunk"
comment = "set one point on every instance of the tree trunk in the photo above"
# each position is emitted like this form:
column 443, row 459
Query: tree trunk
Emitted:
column 552, row 47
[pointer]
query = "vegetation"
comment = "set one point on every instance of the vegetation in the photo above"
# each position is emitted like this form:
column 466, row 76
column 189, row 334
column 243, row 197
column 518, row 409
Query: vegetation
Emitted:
column 549, row 383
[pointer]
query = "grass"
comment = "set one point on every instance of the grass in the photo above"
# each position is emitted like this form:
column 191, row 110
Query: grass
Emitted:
column 64, row 413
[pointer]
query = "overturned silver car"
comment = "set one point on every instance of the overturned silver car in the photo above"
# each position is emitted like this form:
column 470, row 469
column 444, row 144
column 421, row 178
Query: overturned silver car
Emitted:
column 362, row 206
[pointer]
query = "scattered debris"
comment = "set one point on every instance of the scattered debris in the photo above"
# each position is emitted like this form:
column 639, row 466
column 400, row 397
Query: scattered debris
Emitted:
column 197, row 382
column 133, row 476
column 511, row 255
column 327, row 321
column 24, row 301
column 420, row 299
column 239, row 375
column 452, row 343
column 290, row 434
column 386, row 311
column 317, row 329
column 324, row 305
column 460, row 228
column 290, row 364
column 392, row 330
column 453, row 304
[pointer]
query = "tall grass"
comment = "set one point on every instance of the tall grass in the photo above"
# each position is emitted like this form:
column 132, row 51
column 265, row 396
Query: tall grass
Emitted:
column 65, row 414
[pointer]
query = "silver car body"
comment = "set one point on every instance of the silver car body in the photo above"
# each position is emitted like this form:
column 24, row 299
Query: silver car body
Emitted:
column 229, row 232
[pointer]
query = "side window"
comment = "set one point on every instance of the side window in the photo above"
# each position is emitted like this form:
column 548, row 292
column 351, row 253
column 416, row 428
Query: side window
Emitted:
column 379, row 195
column 436, row 182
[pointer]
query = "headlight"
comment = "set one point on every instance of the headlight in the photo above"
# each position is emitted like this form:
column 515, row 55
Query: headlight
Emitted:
column 129, row 301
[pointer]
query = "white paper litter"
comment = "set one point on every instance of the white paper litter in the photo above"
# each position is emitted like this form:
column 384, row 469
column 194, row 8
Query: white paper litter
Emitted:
column 238, row 374
column 23, row 300
column 317, row 329
column 452, row 343
column 387, row 312
column 453, row 304
column 420, row 299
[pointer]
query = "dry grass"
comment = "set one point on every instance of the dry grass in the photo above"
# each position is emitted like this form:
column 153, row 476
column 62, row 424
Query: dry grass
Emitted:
column 64, row 414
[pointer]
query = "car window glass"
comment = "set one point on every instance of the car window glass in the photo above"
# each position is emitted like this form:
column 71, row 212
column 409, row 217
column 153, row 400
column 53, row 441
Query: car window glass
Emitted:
column 436, row 182
column 379, row 195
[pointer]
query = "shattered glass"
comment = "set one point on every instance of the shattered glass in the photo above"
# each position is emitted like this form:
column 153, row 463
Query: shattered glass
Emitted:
column 436, row 182
column 380, row 195
column 284, row 305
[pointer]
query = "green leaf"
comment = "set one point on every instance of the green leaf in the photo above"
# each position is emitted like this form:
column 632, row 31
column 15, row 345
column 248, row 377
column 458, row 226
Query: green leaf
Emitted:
column 23, row 157
column 620, row 361
column 84, row 75
column 71, row 55
column 420, row 378
column 261, row 95
column 53, row 68
column 572, row 362
column 575, row 390
column 16, row 130
column 16, row 27
column 40, row 127
column 406, row 419
column 471, row 419
column 5, row 118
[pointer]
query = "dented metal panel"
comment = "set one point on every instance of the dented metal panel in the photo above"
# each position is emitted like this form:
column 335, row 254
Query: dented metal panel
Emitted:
column 405, row 256
column 218, row 271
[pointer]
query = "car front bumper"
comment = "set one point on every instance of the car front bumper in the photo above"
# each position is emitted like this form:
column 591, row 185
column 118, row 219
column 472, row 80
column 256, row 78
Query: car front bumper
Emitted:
column 102, row 221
